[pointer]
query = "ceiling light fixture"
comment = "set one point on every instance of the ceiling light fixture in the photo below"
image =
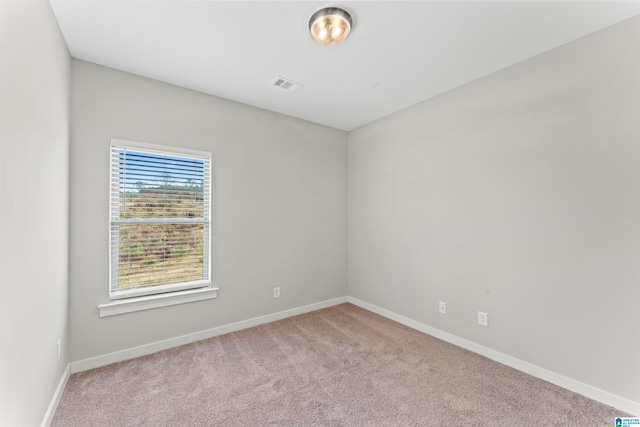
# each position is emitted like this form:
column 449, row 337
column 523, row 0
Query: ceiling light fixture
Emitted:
column 330, row 26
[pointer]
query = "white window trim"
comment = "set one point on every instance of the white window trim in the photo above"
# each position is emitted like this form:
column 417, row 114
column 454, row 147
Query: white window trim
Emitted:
column 148, row 302
column 177, row 294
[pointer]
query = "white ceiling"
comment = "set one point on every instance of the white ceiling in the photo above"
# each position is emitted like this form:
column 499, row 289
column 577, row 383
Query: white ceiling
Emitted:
column 398, row 54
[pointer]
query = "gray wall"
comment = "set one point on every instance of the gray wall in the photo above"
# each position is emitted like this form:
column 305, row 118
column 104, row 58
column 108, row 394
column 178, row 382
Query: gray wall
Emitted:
column 279, row 206
column 34, row 200
column 518, row 195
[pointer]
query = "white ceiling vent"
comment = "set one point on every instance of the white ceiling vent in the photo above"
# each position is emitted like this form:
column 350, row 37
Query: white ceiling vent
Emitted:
column 287, row 84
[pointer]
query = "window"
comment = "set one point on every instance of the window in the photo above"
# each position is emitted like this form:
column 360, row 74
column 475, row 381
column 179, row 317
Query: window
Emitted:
column 159, row 219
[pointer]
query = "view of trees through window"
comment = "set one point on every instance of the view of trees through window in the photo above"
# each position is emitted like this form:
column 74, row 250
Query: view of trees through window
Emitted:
column 161, row 222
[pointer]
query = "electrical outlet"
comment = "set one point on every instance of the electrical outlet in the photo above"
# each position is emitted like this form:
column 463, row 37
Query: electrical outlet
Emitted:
column 483, row 319
column 442, row 307
column 276, row 292
column 59, row 347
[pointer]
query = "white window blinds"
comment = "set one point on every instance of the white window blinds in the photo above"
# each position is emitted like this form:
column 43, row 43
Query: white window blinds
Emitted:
column 160, row 219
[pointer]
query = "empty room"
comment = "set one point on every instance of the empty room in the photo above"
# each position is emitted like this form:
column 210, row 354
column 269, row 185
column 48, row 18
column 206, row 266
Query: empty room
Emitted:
column 313, row 213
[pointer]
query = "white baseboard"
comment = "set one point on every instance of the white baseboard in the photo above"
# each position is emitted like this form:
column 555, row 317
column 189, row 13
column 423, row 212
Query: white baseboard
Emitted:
column 55, row 399
column 586, row 390
column 143, row 350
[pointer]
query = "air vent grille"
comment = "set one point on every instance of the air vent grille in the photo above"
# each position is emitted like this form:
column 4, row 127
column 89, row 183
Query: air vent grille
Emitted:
column 286, row 84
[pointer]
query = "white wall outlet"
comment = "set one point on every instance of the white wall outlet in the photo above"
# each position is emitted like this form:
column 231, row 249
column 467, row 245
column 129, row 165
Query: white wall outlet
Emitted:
column 276, row 292
column 442, row 307
column 483, row 319
column 59, row 347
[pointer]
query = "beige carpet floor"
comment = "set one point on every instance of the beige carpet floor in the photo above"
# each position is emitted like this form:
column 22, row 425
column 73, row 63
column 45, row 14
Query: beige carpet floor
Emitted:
column 340, row 366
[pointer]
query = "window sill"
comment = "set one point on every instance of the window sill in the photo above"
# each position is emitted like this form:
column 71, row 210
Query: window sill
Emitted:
column 155, row 301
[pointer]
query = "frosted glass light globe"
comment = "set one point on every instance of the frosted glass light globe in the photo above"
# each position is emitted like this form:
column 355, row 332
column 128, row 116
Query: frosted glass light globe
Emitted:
column 330, row 26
